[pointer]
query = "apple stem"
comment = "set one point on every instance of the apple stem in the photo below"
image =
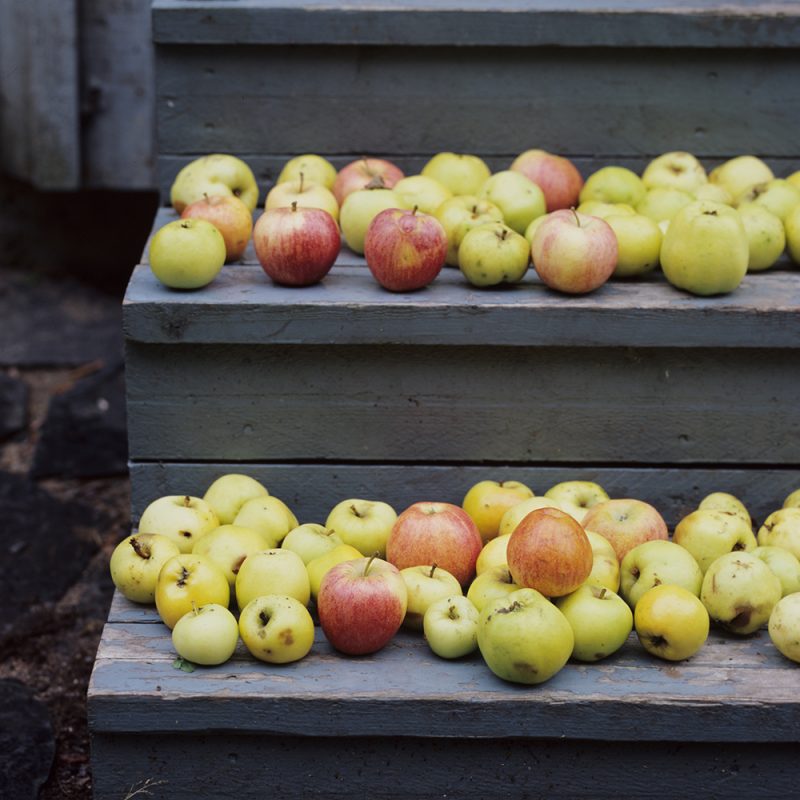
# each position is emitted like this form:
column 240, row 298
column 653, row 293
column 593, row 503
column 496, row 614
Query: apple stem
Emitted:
column 376, row 182
column 355, row 510
column 452, row 612
column 302, row 178
column 187, row 501
column 433, row 569
column 369, row 563
column 294, row 205
column 194, row 608
column 577, row 218
column 414, row 210
column 139, row 548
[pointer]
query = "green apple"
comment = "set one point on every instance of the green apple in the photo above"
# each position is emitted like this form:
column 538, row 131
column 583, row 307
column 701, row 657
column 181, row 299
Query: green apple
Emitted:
column 597, row 208
column 217, row 173
column 577, row 497
column 638, row 244
column 182, row 518
column 723, row 501
column 613, row 185
column 792, row 500
column 782, row 529
column 708, row 534
column 487, row 501
column 315, row 169
column 275, row 571
column 302, row 193
column 311, row 540
column 491, row 584
column 715, row 192
column 784, row 626
column 228, row 546
column 493, row 554
column 318, row 567
column 460, row 173
column 662, row 203
column 766, row 236
column 363, row 524
column 425, row 585
column 655, row 563
column 187, row 253
column 600, row 619
column 671, row 622
column 228, row 493
column 792, row 227
column 794, row 178
column 206, row 635
column 605, row 564
column 783, row 564
column 524, row 638
column 739, row 174
column 516, row 513
column 276, row 629
column 675, row 170
column 450, row 626
column 421, row 192
column 492, row 254
column 518, row 197
column 777, row 195
column 268, row 515
column 359, row 209
column 530, row 231
column 189, row 580
column 136, row 562
column 739, row 592
column 461, row 214
column 705, row 249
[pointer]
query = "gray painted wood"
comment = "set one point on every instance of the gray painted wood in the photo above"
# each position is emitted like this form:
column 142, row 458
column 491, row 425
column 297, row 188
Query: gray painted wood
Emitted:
column 505, row 23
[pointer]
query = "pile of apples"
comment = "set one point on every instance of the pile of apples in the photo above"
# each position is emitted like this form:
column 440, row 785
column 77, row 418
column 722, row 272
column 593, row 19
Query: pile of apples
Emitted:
column 705, row 230
column 530, row 581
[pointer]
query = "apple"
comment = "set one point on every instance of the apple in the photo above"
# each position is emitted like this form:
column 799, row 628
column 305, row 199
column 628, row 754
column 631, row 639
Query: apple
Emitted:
column 361, row 605
column 358, row 211
column 217, row 173
column 206, row 635
column 318, row 567
column 268, row 515
column 275, row 571
column 782, row 529
column 723, row 501
column 461, row 214
column 597, row 208
column 425, row 585
column 675, row 170
column 766, row 237
column 715, row 192
column 421, row 192
column 136, row 562
column 605, row 565
column 625, row 522
column 671, row 622
column 530, row 231
column 487, row 501
column 435, row 533
column 613, row 185
column 524, row 638
column 518, row 512
column 315, row 169
column 365, row 172
column 792, row 227
column 276, row 629
column 363, row 524
column 783, row 564
column 600, row 620
column 663, row 203
column 305, row 194
column 228, row 493
column 574, row 253
column 707, row 534
column 311, row 541
column 459, row 173
column 556, row 176
column 491, row 584
column 784, row 626
column 777, row 195
column 405, row 250
column 577, row 497
column 655, row 563
column 492, row 254
column 230, row 216
column 493, row 554
column 794, row 178
column 638, row 244
column 296, row 246
column 518, row 197
column 450, row 626
column 228, row 546
column 182, row 518
column 188, row 579
column 792, row 500
column 738, row 174
column 739, row 592
column 187, row 253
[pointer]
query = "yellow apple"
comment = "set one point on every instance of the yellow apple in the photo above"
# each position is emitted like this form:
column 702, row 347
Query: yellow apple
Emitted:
column 459, row 173
column 188, row 580
column 136, row 562
column 671, row 622
column 493, row 554
column 228, row 493
column 359, row 209
column 488, row 500
column 187, row 253
column 182, row 518
column 738, row 174
column 305, row 194
column 517, row 196
column 425, row 585
column 268, row 515
column 318, row 567
column 228, row 546
column 275, row 571
column 276, row 629
column 421, row 192
column 315, row 169
column 217, row 173
column 206, row 635
column 490, row 585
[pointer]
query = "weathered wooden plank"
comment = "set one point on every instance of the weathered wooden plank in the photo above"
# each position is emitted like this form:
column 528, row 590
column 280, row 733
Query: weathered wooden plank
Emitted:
column 506, row 23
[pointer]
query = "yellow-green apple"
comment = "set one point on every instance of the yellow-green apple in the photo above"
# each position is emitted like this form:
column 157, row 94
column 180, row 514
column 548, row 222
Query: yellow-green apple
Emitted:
column 597, row 208
column 516, row 513
column 782, row 529
column 136, row 562
column 518, row 197
column 784, row 626
column 661, row 203
column 613, row 185
column 794, row 178
column 492, row 254
column 435, row 533
column 268, row 515
column 450, row 626
column 228, row 546
column 228, row 493
column 524, row 638
column 715, row 192
column 303, row 192
column 421, row 192
column 275, row 571
column 705, row 249
column 206, row 635
column 783, row 564
column 605, row 565
column 425, row 585
column 493, row 554
column 530, row 231
column 315, row 169
column 655, row 563
column 556, row 176
column 675, row 170
column 792, row 227
column 738, row 174
column 182, row 518
column 364, row 524
column 230, row 216
column 459, row 215
column 739, row 592
column 187, row 253
column 365, row 172
column 358, row 211
column 625, row 522
column 777, row 196
column 361, row 605
column 459, row 173
column 550, row 552
column 577, row 497
column 186, row 580
column 671, row 622
column 318, row 567
column 311, row 541
column 405, row 250
column 491, row 584
column 487, row 501
column 766, row 237
column 296, row 246
column 276, row 629
column 600, row 620
column 638, row 244
column 708, row 534
column 724, row 501
column 217, row 173
column 792, row 500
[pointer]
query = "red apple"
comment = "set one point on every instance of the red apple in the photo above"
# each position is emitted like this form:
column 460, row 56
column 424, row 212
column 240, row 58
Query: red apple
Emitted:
column 574, row 253
column 550, row 552
column 230, row 216
column 625, row 523
column 359, row 174
column 556, row 176
column 405, row 250
column 296, row 246
column 435, row 533
column 361, row 605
